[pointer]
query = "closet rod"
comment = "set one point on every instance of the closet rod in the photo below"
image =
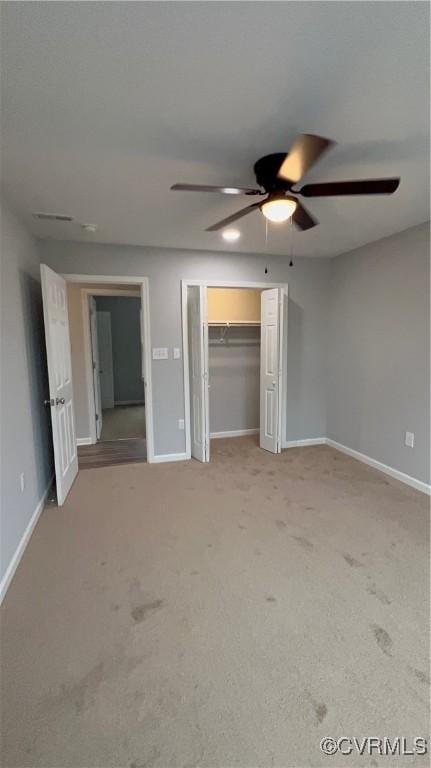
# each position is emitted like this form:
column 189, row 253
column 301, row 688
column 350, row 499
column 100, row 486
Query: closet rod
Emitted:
column 238, row 324
column 234, row 343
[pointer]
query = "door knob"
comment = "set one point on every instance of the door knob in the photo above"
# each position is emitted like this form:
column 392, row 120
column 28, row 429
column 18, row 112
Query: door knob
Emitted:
column 60, row 401
column 48, row 402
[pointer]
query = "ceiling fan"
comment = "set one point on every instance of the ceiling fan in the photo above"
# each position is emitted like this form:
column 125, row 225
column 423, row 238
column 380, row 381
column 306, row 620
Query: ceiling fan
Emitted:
column 276, row 176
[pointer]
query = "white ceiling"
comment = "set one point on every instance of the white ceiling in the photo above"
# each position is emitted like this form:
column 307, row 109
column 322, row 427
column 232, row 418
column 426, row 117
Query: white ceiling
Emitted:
column 105, row 105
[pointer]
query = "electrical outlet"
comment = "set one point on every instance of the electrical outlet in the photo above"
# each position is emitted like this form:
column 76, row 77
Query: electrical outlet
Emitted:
column 180, row 423
column 22, row 482
column 409, row 440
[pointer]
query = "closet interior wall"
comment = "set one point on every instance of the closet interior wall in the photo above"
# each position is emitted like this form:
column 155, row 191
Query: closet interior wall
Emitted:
column 234, row 359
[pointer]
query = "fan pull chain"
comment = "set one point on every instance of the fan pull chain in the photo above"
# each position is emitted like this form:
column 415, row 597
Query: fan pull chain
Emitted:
column 290, row 249
column 266, row 242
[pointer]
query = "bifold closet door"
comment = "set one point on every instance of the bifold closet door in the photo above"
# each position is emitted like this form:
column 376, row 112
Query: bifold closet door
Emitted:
column 271, row 364
column 198, row 366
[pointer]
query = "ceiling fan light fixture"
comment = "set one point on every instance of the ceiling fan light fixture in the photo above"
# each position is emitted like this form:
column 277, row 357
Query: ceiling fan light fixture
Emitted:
column 278, row 208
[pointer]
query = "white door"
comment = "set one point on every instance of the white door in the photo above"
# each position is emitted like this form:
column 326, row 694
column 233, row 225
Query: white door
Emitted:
column 96, row 365
column 104, row 338
column 271, row 367
column 56, row 320
column 198, row 362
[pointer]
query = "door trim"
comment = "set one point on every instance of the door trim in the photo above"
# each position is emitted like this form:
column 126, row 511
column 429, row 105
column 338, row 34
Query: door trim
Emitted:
column 142, row 285
column 186, row 378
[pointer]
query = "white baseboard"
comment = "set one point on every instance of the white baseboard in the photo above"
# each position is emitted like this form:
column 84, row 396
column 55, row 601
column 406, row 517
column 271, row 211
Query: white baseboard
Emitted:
column 129, row 402
column 412, row 481
column 15, row 561
column 234, row 433
column 162, row 457
column 306, row 441
column 84, row 441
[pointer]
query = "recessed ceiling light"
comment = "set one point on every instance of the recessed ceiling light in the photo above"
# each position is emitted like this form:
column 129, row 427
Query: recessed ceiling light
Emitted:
column 89, row 227
column 231, row 235
column 231, row 191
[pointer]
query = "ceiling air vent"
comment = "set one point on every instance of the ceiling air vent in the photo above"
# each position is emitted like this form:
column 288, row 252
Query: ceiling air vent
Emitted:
column 52, row 217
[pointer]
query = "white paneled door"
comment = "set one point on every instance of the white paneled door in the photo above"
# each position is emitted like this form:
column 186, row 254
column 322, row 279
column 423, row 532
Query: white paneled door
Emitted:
column 95, row 359
column 60, row 380
column 271, row 367
column 198, row 361
column 106, row 362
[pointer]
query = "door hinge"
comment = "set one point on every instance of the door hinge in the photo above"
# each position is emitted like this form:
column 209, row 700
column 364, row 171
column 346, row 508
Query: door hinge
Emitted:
column 97, row 417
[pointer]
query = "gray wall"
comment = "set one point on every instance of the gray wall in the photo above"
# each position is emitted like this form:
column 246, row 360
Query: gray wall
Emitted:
column 234, row 376
column 308, row 319
column 25, row 425
column 126, row 345
column 379, row 363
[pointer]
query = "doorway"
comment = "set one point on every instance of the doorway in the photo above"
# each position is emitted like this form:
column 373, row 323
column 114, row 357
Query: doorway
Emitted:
column 235, row 363
column 118, row 386
column 77, row 441
column 116, row 357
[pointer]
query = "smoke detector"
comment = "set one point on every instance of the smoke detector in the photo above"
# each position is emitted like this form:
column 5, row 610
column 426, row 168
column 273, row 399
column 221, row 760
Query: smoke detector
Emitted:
column 89, row 227
column 52, row 217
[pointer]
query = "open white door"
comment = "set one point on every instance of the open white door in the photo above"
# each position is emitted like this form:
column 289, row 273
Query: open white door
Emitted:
column 104, row 341
column 198, row 361
column 96, row 365
column 60, row 380
column 271, row 367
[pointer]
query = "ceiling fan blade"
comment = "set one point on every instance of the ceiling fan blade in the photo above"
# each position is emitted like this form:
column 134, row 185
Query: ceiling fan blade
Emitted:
column 234, row 217
column 363, row 187
column 302, row 218
column 304, row 153
column 223, row 190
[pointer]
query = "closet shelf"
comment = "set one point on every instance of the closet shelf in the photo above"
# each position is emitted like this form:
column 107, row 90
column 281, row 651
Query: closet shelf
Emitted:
column 229, row 324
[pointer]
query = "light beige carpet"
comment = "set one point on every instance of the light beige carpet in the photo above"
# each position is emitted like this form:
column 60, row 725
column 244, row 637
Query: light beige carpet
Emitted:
column 123, row 422
column 219, row 615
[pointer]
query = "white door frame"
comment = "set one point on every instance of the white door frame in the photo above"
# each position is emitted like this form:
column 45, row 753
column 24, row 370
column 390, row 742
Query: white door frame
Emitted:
column 143, row 291
column 225, row 284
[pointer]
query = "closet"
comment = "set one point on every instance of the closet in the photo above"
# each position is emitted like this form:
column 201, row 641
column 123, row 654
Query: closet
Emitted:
column 233, row 361
column 234, row 341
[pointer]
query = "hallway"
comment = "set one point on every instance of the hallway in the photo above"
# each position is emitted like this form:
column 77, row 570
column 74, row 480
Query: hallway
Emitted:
column 123, row 422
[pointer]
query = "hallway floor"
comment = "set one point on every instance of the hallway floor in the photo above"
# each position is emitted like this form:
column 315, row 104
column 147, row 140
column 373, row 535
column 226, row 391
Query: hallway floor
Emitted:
column 217, row 616
column 123, row 422
column 112, row 452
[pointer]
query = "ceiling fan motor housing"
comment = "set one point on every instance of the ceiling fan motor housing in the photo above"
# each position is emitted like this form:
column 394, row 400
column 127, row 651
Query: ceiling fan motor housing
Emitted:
column 266, row 170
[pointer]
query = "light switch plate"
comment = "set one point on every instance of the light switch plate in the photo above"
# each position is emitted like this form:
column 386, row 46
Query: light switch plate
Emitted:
column 160, row 353
column 177, row 354
column 410, row 439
